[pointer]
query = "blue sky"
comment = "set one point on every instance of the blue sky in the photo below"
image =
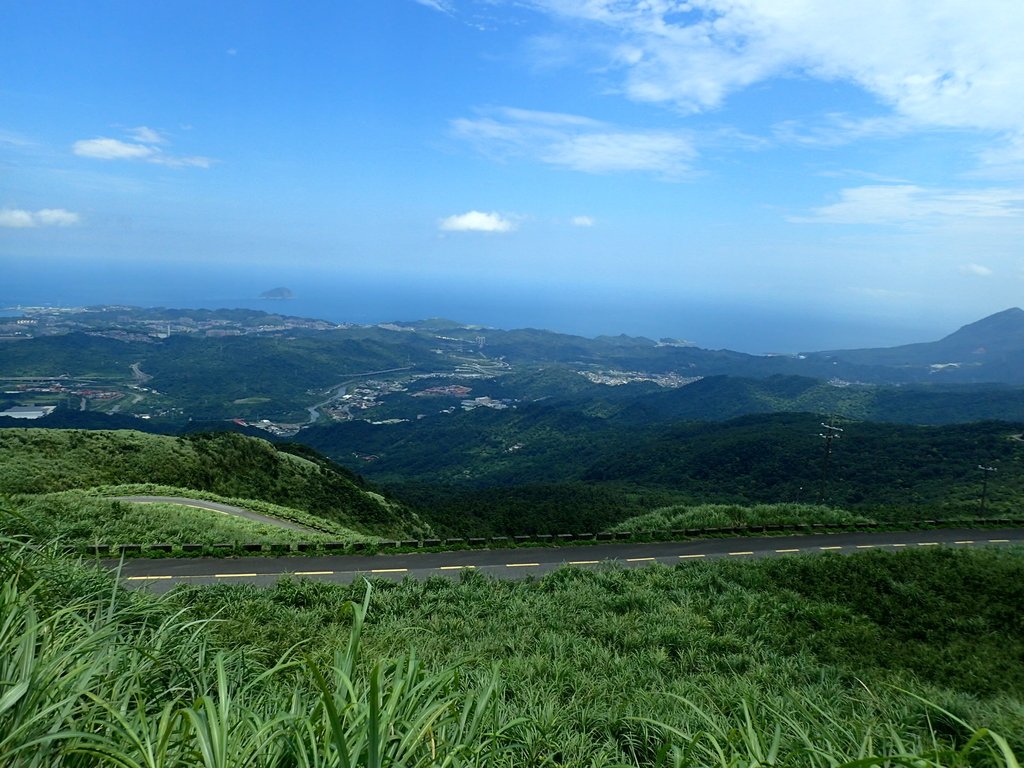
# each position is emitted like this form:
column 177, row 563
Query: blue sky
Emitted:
column 841, row 160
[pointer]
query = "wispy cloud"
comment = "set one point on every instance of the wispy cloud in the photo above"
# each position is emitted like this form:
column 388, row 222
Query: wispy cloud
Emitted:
column 902, row 203
column 577, row 142
column 880, row 294
column 476, row 221
column 145, row 145
column 837, row 129
column 978, row 270
column 582, row 221
column 437, row 5
column 931, row 63
column 111, row 149
column 17, row 218
column 146, row 135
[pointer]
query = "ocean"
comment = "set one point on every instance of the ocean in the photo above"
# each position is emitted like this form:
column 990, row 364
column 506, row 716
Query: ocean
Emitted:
column 713, row 324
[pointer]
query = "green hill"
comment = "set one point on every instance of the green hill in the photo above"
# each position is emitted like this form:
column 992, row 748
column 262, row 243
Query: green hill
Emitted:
column 39, row 461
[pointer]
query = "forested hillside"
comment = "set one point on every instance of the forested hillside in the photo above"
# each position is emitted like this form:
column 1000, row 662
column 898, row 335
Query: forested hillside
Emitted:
column 577, row 473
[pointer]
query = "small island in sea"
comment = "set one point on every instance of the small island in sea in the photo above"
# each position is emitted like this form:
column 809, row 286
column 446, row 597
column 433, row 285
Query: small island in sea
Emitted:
column 278, row 293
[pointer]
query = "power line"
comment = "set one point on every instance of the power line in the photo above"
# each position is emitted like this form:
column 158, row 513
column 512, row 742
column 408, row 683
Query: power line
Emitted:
column 831, row 433
column 984, row 484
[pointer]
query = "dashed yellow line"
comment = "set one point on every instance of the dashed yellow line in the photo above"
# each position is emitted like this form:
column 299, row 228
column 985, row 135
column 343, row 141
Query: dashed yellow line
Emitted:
column 521, row 565
column 584, row 562
column 454, row 567
column 828, row 549
column 389, row 570
column 866, row 546
column 239, row 575
column 927, row 543
column 897, row 545
column 998, row 541
column 964, row 541
column 689, row 557
column 735, row 554
column 785, row 551
column 639, row 559
column 314, row 573
column 146, row 578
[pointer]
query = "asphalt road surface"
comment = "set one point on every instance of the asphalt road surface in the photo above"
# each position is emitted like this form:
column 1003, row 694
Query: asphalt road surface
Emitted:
column 216, row 506
column 160, row 575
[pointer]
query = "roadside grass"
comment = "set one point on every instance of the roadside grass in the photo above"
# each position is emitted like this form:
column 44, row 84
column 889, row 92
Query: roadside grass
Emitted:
column 502, row 675
column 820, row 648
column 681, row 516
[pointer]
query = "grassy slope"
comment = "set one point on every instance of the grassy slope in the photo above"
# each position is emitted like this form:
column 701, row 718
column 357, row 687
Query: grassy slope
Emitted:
column 581, row 652
column 44, row 461
column 80, row 518
column 804, row 659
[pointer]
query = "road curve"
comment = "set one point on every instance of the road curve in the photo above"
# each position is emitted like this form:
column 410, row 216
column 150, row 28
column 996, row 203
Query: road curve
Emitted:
column 160, row 575
column 215, row 506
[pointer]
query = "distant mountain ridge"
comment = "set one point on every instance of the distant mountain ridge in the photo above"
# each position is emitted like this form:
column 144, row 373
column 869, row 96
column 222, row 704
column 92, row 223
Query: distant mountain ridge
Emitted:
column 994, row 343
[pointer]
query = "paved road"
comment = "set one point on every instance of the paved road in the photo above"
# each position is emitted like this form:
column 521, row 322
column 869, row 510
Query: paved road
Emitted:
column 215, row 506
column 162, row 574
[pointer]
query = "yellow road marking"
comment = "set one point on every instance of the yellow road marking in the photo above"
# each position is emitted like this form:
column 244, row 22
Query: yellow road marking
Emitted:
column 866, row 546
column 998, row 541
column 687, row 557
column 783, row 551
column 584, row 562
column 964, row 541
column 146, row 578
column 389, row 570
column 741, row 553
column 236, row 575
column 639, row 559
column 927, row 543
column 455, row 567
column 898, row 545
column 828, row 548
column 314, row 573
column 521, row 565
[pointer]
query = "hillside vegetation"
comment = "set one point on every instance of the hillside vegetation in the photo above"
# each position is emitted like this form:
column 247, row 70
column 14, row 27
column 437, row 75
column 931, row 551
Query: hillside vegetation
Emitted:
column 873, row 659
column 574, row 472
column 43, row 461
column 80, row 519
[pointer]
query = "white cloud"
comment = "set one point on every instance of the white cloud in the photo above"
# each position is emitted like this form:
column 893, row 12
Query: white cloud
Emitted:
column 578, row 143
column 934, row 63
column 111, row 149
column 173, row 161
column 581, row 221
column 17, row 218
column 145, row 146
column 979, row 270
column 476, row 221
column 436, row 5
column 146, row 135
column 57, row 217
column 901, row 203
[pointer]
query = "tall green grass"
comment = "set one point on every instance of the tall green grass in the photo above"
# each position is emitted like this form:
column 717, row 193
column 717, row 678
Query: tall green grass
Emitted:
column 109, row 681
column 93, row 676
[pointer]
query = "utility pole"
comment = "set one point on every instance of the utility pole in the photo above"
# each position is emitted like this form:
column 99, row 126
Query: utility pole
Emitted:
column 831, row 433
column 984, row 485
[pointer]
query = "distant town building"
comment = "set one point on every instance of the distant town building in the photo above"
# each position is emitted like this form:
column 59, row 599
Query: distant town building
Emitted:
column 28, row 411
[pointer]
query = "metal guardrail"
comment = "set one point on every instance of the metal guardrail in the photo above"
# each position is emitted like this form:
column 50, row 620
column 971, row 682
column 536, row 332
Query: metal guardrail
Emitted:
column 503, row 542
